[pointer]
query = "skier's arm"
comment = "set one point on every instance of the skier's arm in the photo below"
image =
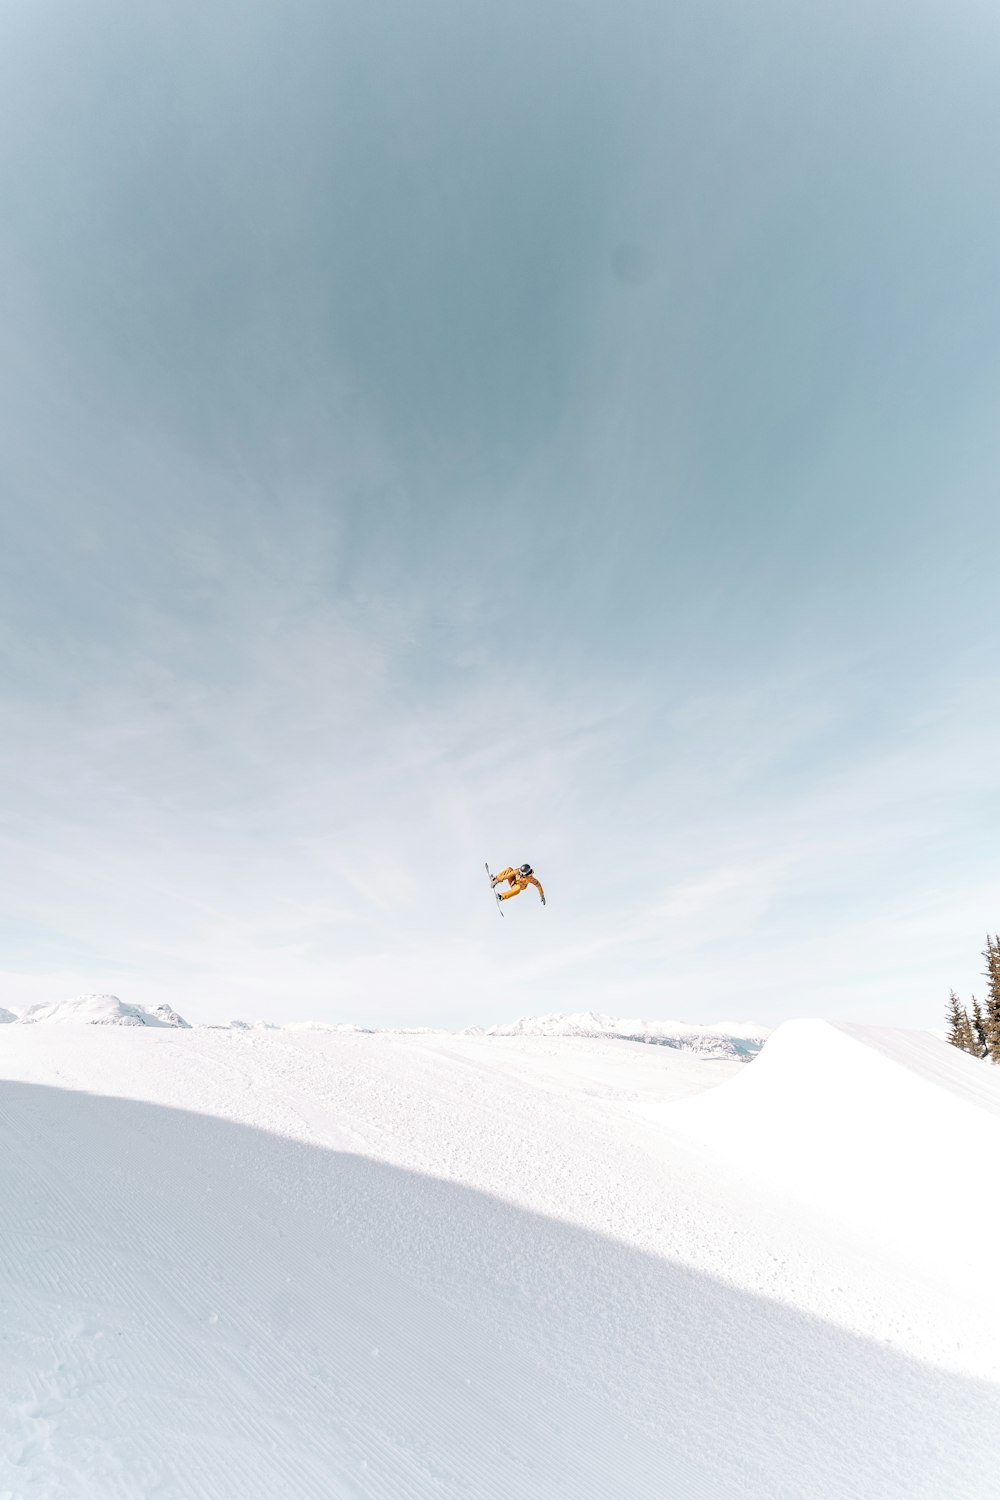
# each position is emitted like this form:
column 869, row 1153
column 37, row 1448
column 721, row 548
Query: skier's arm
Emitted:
column 539, row 885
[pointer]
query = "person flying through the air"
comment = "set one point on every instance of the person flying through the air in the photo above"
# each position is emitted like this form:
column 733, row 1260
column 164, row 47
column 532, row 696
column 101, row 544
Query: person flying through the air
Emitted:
column 518, row 880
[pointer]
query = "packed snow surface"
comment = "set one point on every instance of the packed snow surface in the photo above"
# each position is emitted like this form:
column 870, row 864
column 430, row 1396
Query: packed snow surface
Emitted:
column 316, row 1265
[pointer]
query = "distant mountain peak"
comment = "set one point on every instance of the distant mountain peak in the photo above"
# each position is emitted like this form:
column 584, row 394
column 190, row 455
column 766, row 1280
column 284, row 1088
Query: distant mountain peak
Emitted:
column 718, row 1039
column 98, row 1010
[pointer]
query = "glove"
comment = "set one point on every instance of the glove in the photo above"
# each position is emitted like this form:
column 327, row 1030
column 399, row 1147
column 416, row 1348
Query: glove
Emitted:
column 543, row 900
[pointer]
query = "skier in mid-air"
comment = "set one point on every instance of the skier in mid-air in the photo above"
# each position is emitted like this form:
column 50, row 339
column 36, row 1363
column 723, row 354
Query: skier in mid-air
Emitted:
column 518, row 880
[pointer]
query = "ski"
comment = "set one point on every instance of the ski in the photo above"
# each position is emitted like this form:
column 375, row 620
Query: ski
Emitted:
column 493, row 889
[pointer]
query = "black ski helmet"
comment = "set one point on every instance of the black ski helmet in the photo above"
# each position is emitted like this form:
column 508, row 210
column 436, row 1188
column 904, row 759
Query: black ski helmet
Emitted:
column 525, row 869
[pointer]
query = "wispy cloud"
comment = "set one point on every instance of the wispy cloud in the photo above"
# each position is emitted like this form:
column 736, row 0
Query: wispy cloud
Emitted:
column 397, row 477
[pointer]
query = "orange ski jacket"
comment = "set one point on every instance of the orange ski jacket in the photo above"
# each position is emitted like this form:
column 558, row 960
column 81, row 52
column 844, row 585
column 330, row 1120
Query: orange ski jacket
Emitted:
column 518, row 883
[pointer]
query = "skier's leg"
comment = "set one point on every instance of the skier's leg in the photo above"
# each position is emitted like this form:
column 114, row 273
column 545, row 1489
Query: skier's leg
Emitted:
column 509, row 874
column 517, row 886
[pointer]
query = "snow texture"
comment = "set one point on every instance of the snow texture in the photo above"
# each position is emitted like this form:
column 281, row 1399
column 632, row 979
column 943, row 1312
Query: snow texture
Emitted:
column 320, row 1265
column 6, row 1016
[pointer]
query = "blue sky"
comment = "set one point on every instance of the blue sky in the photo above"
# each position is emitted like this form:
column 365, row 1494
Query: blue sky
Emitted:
column 434, row 435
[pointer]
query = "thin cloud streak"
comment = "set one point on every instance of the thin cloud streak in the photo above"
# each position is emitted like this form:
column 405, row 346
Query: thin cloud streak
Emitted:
column 398, row 477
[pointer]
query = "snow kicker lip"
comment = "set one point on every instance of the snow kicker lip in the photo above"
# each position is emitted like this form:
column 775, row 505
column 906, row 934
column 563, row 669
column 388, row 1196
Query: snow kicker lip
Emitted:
column 859, row 1125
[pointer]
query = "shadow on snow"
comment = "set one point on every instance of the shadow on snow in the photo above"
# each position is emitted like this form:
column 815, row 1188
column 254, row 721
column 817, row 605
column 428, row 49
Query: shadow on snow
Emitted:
column 196, row 1308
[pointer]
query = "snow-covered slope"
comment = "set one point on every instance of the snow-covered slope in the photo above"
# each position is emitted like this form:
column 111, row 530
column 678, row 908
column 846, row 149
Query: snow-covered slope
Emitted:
column 98, row 1010
column 891, row 1134
column 346, row 1266
column 6, row 1016
column 723, row 1039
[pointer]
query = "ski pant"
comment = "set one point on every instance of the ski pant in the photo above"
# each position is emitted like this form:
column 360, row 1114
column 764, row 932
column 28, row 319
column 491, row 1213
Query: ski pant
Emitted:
column 515, row 880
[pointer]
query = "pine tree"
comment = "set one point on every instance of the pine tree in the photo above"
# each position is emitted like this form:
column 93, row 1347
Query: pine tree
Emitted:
column 991, row 1020
column 959, row 1029
column 979, row 1029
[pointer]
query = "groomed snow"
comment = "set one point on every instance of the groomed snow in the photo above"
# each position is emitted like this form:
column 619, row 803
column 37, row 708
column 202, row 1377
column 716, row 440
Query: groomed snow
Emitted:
column 307, row 1264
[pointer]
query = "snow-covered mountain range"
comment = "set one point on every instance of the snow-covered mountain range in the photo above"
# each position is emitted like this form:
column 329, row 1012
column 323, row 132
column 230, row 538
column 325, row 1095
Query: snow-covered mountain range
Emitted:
column 94, row 1010
column 720, row 1039
column 733, row 1039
